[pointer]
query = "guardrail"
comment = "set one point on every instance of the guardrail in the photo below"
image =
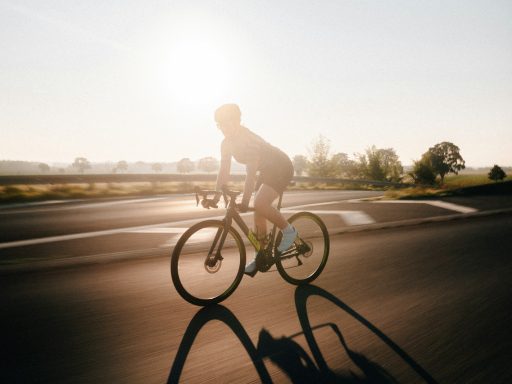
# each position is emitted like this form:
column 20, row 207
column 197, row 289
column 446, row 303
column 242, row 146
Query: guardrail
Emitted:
column 155, row 178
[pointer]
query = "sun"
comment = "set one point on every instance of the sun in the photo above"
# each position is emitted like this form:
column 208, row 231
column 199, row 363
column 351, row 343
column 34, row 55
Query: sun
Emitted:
column 199, row 72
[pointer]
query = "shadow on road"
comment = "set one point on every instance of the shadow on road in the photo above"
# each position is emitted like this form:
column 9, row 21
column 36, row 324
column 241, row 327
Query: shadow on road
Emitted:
column 216, row 312
column 290, row 356
column 372, row 371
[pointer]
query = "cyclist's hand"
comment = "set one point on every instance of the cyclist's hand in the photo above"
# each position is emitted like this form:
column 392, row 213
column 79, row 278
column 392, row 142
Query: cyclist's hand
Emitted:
column 208, row 203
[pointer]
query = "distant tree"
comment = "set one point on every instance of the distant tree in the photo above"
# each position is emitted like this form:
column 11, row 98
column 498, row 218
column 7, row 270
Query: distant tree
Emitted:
column 369, row 165
column 422, row 172
column 121, row 166
column 320, row 165
column 156, row 167
column 141, row 166
column 208, row 164
column 300, row 164
column 338, row 161
column 343, row 166
column 497, row 173
column 81, row 163
column 185, row 165
column 44, row 168
column 391, row 164
column 380, row 164
column 445, row 158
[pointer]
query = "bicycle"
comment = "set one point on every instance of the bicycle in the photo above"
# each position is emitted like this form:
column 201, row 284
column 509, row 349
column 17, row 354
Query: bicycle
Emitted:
column 208, row 261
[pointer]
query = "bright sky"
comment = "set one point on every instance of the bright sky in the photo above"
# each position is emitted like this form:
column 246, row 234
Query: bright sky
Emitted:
column 139, row 80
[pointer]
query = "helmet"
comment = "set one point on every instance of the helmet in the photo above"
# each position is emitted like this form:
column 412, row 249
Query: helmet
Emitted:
column 228, row 112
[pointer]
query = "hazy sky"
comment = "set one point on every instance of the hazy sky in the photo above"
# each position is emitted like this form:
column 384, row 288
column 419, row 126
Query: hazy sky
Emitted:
column 139, row 80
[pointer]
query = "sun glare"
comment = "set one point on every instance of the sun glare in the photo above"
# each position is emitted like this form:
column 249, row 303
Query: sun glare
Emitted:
column 198, row 72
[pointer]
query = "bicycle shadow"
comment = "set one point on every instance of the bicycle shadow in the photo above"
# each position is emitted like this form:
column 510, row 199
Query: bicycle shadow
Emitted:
column 373, row 372
column 201, row 318
column 290, row 356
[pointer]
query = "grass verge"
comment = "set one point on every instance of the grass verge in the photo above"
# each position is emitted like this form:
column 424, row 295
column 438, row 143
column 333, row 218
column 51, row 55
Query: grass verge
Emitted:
column 454, row 186
column 44, row 192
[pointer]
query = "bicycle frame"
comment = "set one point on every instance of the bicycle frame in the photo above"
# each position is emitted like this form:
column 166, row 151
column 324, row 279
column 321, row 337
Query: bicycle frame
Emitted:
column 233, row 215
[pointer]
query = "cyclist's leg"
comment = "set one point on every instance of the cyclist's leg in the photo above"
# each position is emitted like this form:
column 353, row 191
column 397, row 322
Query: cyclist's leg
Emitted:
column 263, row 210
column 275, row 181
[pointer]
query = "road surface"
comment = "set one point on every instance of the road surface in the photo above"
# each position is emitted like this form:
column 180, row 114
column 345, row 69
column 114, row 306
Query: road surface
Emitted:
column 416, row 303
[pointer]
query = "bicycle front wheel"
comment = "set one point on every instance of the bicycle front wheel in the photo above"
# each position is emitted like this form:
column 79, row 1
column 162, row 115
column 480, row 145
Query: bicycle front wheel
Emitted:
column 306, row 258
column 207, row 263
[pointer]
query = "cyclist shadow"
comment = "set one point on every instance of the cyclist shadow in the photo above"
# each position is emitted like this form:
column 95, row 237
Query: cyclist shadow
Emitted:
column 291, row 357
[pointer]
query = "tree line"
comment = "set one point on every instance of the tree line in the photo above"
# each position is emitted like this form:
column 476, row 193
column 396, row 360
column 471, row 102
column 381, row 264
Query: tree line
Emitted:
column 379, row 164
column 383, row 164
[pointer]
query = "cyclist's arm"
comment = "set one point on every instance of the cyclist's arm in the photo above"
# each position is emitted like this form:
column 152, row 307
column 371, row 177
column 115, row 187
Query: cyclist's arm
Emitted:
column 225, row 166
column 250, row 181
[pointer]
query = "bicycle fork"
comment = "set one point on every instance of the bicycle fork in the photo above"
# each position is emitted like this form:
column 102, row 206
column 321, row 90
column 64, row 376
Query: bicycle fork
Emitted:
column 214, row 257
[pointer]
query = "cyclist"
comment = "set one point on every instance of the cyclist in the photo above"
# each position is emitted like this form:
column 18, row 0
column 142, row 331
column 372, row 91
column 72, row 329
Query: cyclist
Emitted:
column 275, row 172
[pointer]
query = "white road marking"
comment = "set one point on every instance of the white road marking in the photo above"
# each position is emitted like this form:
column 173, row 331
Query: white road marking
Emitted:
column 452, row 207
column 349, row 217
column 75, row 236
column 159, row 230
column 314, row 204
column 26, row 207
column 434, row 203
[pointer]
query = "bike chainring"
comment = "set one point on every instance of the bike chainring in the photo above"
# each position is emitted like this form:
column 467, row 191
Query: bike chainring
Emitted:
column 264, row 261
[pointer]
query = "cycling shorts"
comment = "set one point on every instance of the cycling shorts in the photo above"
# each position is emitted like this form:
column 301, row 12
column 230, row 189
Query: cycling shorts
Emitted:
column 276, row 173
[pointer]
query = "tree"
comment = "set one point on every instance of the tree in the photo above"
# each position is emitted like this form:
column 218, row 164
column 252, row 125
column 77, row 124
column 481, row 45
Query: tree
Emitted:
column 391, row 165
column 380, row 164
column 185, row 165
column 44, row 167
column 121, row 166
column 300, row 164
column 445, row 158
column 342, row 166
column 422, row 171
column 497, row 173
column 208, row 164
column 81, row 163
column 320, row 164
column 156, row 167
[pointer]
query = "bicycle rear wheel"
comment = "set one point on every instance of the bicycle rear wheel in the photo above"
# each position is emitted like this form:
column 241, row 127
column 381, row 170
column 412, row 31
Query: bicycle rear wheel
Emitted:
column 306, row 258
column 203, row 270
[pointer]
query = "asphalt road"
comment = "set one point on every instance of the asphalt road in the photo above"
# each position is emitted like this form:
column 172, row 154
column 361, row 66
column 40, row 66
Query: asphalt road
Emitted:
column 119, row 228
column 418, row 303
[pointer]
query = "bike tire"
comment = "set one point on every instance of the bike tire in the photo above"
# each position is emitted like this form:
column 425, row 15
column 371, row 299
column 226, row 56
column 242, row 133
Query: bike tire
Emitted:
column 313, row 232
column 193, row 280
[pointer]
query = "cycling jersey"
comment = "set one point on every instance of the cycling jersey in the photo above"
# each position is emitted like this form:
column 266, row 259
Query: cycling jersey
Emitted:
column 274, row 166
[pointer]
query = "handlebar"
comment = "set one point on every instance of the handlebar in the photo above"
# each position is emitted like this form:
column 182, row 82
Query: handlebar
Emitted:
column 211, row 203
